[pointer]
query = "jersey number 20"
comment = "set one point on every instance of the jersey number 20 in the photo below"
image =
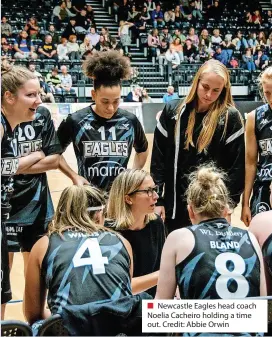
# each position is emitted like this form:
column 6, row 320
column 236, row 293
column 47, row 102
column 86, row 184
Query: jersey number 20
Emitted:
column 226, row 275
column 95, row 259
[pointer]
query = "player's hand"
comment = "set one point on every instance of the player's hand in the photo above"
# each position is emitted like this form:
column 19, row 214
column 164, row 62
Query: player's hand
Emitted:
column 246, row 215
column 160, row 210
column 80, row 181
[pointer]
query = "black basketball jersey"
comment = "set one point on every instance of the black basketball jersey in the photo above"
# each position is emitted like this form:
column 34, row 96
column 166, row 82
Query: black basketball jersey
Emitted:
column 80, row 268
column 9, row 166
column 31, row 200
column 267, row 253
column 263, row 131
column 102, row 146
column 147, row 242
column 223, row 263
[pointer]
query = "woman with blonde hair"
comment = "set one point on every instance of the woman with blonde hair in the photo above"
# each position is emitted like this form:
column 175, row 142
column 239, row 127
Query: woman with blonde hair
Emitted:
column 204, row 126
column 20, row 99
column 79, row 262
column 211, row 259
column 259, row 154
column 131, row 207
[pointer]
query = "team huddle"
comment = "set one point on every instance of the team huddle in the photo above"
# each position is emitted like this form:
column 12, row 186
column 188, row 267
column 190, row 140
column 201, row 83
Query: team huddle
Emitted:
column 121, row 235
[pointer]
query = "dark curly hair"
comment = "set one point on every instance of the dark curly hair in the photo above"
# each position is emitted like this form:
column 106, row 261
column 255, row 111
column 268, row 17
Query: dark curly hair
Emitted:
column 107, row 68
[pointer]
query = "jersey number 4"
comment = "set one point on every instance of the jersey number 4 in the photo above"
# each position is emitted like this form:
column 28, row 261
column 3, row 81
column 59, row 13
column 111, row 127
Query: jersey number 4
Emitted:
column 95, row 259
column 226, row 275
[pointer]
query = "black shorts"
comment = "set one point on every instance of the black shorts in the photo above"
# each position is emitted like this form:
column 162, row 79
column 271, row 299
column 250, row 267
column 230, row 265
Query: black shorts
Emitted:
column 260, row 200
column 5, row 282
column 22, row 238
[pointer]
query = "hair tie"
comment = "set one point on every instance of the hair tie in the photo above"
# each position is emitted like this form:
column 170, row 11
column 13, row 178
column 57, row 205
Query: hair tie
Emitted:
column 212, row 197
column 96, row 208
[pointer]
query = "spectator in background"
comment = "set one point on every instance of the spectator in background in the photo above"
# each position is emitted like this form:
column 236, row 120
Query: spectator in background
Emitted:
column 204, row 36
column 82, row 24
column 178, row 16
column 165, row 35
column 123, row 33
column 169, row 17
column 53, row 80
column 248, row 17
column 177, row 33
column 61, row 14
column 85, row 46
column 105, row 32
column 135, row 95
column 190, row 51
column 78, row 5
column 228, row 47
column 252, row 42
column 256, row 17
column 116, row 45
column 73, row 48
column 32, row 68
column 194, row 11
column 66, row 82
column 6, row 53
column 267, row 20
column 145, row 97
column 215, row 11
column 173, row 58
column 239, row 41
column 216, row 39
column 234, row 63
column 144, row 18
column 93, row 36
column 153, row 42
column 177, row 46
column 192, row 35
column 70, row 29
column 261, row 60
column 45, row 92
column 47, row 50
column 62, row 49
column 24, row 48
column 204, row 52
column 122, row 8
column 220, row 55
column 157, row 17
column 90, row 15
column 133, row 14
column 54, row 34
column 162, row 52
column 262, row 38
column 151, row 5
column 32, row 28
column 170, row 95
column 101, row 44
column 6, row 30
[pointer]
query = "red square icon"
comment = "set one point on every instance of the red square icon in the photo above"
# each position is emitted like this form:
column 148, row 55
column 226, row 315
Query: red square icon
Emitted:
column 150, row 305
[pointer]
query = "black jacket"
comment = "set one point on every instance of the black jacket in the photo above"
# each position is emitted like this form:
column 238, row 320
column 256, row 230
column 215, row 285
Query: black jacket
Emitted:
column 171, row 163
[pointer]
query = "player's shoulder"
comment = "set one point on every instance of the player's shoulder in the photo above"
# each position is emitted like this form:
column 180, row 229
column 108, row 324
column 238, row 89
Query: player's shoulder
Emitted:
column 80, row 114
column 122, row 113
column 42, row 111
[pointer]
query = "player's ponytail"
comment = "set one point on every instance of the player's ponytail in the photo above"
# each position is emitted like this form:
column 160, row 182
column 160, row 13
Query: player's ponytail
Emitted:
column 207, row 192
column 77, row 209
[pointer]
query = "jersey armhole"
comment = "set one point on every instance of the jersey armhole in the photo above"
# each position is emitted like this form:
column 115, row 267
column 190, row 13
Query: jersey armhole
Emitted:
column 254, row 248
column 120, row 236
column 44, row 265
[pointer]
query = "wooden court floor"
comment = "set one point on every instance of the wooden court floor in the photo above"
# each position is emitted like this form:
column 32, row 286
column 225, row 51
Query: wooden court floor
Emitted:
column 57, row 182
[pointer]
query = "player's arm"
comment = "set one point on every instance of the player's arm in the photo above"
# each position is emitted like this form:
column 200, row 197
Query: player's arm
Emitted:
column 35, row 287
column 140, row 145
column 177, row 247
column 46, row 164
column 263, row 289
column 129, row 250
column 70, row 173
column 251, row 166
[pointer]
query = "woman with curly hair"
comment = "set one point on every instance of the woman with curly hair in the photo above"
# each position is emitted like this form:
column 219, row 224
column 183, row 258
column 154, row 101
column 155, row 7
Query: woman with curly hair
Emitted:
column 103, row 134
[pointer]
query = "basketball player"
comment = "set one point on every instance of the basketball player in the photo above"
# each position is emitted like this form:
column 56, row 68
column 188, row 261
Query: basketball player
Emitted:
column 259, row 154
column 131, row 206
column 261, row 227
column 20, row 99
column 211, row 259
column 80, row 261
column 204, row 126
column 103, row 134
column 32, row 206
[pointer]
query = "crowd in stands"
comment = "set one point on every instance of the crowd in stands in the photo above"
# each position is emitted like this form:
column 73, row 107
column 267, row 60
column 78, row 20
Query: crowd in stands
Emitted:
column 190, row 31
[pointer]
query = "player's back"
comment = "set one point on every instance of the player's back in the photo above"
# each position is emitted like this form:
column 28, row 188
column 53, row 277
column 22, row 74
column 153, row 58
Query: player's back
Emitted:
column 80, row 268
column 222, row 264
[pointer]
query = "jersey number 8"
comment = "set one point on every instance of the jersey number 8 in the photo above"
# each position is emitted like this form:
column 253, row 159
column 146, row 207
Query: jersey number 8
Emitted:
column 226, row 275
column 95, row 259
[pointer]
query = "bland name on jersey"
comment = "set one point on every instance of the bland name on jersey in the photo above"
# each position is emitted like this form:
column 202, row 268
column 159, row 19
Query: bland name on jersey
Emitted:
column 106, row 148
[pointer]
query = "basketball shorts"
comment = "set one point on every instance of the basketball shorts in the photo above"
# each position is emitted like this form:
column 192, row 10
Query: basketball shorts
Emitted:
column 22, row 238
column 260, row 200
column 5, row 282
